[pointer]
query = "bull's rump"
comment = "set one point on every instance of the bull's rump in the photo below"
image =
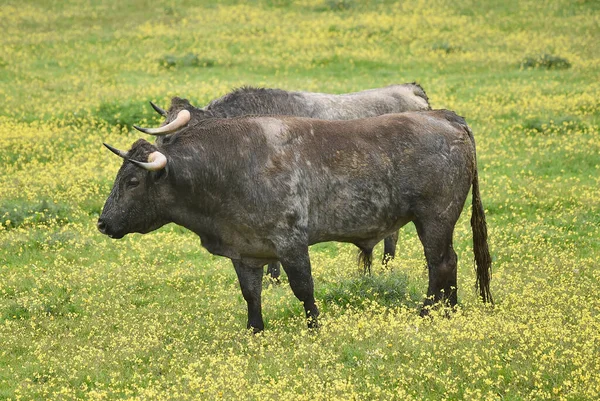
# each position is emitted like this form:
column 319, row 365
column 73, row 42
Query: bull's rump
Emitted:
column 363, row 179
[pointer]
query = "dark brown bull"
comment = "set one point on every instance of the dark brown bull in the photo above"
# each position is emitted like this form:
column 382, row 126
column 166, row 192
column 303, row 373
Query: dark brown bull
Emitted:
column 346, row 106
column 259, row 189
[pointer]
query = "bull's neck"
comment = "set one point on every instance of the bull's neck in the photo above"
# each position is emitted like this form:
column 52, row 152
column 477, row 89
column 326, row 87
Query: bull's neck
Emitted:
column 193, row 178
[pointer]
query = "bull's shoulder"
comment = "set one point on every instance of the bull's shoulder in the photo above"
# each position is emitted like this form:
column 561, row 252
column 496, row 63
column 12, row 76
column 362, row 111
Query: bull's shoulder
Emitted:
column 234, row 131
column 248, row 94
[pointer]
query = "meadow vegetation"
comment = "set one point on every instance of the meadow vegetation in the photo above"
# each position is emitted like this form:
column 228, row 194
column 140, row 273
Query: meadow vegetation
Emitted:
column 157, row 317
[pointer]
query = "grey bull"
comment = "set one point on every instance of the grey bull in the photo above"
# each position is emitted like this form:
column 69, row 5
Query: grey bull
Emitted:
column 260, row 189
column 366, row 103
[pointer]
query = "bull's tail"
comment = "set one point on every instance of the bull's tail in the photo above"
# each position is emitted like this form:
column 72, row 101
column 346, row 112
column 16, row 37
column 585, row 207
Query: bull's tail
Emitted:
column 483, row 260
column 365, row 259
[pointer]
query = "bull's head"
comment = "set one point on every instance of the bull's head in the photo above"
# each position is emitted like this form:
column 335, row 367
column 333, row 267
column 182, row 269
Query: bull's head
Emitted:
column 179, row 115
column 134, row 202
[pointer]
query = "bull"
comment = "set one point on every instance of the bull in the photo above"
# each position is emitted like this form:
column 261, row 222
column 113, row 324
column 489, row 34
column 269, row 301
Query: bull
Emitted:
column 261, row 189
column 264, row 101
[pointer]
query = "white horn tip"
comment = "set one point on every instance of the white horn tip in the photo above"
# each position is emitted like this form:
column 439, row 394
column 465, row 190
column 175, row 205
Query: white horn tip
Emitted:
column 157, row 161
column 185, row 116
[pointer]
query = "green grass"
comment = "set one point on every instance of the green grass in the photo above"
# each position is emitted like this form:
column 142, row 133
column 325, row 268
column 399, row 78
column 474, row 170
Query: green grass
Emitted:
column 157, row 317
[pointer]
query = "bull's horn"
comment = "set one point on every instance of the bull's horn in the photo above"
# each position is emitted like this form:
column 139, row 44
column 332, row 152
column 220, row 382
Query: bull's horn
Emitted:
column 183, row 117
column 116, row 151
column 156, row 161
column 158, row 110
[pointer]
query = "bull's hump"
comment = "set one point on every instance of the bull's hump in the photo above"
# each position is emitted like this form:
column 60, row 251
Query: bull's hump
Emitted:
column 178, row 103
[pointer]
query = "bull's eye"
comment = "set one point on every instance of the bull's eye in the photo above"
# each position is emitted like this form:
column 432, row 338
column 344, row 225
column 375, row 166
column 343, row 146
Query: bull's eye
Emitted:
column 133, row 182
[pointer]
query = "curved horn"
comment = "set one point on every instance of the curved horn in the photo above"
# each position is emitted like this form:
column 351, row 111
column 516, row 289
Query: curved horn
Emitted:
column 158, row 110
column 183, row 117
column 156, row 161
column 116, row 151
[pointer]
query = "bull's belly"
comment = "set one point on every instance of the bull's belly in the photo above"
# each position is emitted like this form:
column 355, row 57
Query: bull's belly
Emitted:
column 357, row 210
column 368, row 233
column 241, row 246
column 363, row 222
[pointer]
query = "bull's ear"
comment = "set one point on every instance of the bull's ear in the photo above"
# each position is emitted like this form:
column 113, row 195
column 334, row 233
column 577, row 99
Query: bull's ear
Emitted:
column 179, row 103
column 160, row 174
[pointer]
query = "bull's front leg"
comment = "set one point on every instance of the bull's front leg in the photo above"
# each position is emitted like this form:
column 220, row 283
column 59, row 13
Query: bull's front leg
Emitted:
column 250, row 278
column 296, row 263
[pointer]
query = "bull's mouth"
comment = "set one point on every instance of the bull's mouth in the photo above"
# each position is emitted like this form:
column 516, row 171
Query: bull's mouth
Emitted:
column 104, row 229
column 115, row 236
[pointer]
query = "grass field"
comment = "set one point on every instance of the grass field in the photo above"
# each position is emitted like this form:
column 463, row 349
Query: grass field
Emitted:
column 156, row 317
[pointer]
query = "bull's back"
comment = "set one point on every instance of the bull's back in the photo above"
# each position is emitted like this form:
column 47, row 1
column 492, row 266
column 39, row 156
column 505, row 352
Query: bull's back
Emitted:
column 367, row 103
column 404, row 138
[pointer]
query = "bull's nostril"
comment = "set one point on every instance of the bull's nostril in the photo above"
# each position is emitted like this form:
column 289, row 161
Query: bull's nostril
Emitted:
column 101, row 226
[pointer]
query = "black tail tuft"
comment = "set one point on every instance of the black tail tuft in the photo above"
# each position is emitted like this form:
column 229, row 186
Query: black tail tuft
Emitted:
column 483, row 260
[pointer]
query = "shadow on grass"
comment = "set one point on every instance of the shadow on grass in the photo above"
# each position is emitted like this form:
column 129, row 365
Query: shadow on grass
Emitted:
column 546, row 61
column 188, row 60
column 387, row 289
column 557, row 125
column 57, row 302
column 17, row 213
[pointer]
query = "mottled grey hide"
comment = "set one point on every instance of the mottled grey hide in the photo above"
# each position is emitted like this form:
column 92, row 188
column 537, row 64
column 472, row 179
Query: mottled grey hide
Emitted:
column 259, row 189
column 367, row 103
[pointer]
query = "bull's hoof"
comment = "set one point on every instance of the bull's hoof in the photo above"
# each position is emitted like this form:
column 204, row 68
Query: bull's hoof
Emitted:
column 426, row 309
column 387, row 258
column 313, row 323
column 441, row 308
column 256, row 326
column 312, row 319
column 256, row 330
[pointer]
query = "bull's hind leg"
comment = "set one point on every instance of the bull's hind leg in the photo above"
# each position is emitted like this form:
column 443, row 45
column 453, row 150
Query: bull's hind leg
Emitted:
column 296, row 263
column 365, row 259
column 250, row 278
column 274, row 271
column 389, row 248
column 436, row 237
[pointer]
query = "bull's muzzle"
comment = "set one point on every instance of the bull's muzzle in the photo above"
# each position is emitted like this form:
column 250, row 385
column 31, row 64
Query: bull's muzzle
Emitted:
column 101, row 226
column 105, row 229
